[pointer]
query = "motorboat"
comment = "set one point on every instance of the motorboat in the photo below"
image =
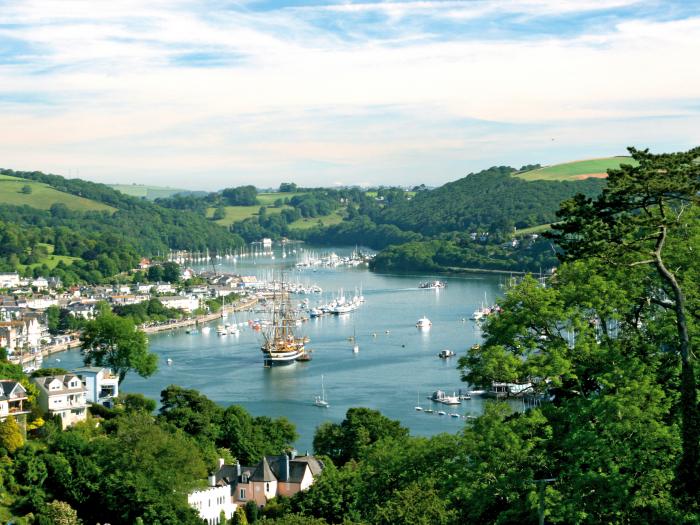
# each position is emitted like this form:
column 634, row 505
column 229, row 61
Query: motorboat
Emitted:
column 445, row 354
column 432, row 285
column 221, row 330
column 423, row 323
column 440, row 396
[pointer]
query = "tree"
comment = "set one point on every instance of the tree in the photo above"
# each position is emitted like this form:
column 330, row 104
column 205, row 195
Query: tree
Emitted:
column 361, row 428
column 219, row 213
column 638, row 221
column 417, row 504
column 10, row 435
column 59, row 513
column 53, row 315
column 115, row 342
column 26, row 189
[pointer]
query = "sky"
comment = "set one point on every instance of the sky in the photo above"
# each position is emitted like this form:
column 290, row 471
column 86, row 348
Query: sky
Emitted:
column 216, row 93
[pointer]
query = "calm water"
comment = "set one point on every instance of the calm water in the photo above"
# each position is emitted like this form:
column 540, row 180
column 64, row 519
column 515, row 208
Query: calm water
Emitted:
column 389, row 373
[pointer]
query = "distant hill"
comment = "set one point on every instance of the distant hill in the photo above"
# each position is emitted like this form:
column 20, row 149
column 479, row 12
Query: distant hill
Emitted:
column 152, row 192
column 577, row 170
column 43, row 196
column 491, row 200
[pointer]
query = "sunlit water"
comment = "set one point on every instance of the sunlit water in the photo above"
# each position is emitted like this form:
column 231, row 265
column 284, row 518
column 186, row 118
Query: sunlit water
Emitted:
column 393, row 372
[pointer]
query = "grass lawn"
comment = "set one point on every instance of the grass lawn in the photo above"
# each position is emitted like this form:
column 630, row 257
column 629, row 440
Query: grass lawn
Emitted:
column 52, row 260
column 533, row 229
column 267, row 199
column 328, row 220
column 43, row 196
column 571, row 170
column 240, row 213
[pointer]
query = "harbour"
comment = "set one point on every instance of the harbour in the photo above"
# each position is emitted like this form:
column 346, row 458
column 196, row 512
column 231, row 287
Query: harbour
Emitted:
column 394, row 359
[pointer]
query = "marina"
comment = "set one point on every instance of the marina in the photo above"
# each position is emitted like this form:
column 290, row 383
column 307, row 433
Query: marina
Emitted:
column 395, row 361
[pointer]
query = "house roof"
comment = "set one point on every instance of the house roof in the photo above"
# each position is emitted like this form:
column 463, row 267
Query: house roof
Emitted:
column 43, row 383
column 10, row 388
column 263, row 472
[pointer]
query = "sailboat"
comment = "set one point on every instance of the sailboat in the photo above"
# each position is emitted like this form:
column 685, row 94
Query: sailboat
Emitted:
column 355, row 346
column 418, row 407
column 321, row 401
column 281, row 346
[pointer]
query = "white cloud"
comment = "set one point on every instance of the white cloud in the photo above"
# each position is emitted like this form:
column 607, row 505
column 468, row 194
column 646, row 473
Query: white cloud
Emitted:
column 119, row 99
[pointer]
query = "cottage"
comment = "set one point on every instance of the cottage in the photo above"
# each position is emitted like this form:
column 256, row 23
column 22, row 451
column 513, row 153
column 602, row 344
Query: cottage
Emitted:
column 102, row 386
column 273, row 476
column 144, row 264
column 164, row 288
column 12, row 398
column 40, row 283
column 63, row 396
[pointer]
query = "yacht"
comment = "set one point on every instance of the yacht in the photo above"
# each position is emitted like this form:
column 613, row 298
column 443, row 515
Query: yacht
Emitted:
column 441, row 397
column 321, row 401
column 445, row 354
column 221, row 330
column 432, row 285
column 424, row 322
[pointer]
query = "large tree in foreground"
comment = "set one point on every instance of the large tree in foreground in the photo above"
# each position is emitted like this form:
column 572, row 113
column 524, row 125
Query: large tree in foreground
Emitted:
column 115, row 342
column 647, row 217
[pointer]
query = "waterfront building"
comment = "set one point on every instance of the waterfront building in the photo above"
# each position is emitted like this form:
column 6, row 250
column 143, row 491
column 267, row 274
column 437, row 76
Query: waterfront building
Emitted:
column 217, row 497
column 64, row 396
column 180, row 302
column 102, row 386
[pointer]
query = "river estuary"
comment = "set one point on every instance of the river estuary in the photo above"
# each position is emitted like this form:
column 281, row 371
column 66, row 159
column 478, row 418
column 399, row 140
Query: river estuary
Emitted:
column 395, row 370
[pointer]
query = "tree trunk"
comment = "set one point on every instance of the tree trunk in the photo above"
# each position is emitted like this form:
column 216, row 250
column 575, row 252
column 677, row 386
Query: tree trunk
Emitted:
column 688, row 473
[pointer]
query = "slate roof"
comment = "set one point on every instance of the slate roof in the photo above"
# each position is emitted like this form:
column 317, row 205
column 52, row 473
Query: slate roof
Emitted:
column 8, row 386
column 263, row 472
column 44, row 381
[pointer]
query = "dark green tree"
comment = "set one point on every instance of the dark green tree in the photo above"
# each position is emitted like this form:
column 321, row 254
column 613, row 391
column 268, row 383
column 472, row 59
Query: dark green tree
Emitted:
column 115, row 342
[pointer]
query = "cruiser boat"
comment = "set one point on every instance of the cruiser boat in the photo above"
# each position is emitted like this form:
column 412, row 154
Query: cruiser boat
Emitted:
column 432, row 285
column 221, row 330
column 441, row 397
column 424, row 322
column 282, row 346
column 445, row 354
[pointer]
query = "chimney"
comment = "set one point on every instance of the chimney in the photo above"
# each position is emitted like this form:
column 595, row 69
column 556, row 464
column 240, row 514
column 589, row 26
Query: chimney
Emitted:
column 238, row 469
column 212, row 480
column 221, row 463
column 285, row 466
column 293, row 453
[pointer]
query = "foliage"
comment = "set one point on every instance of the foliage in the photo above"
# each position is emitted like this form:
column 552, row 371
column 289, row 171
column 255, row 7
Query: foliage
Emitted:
column 59, row 513
column 361, row 428
column 240, row 196
column 10, row 435
column 113, row 341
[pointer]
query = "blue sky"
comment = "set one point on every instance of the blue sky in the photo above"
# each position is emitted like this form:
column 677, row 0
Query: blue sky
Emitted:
column 214, row 93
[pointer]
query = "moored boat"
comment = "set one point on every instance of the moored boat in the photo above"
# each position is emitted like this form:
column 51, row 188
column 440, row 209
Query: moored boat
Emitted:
column 424, row 322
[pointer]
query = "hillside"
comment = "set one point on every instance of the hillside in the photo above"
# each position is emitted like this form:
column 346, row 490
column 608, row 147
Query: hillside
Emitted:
column 577, row 170
column 43, row 196
column 151, row 193
column 491, row 200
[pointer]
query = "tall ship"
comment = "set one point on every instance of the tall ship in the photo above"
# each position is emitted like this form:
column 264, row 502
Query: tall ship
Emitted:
column 282, row 346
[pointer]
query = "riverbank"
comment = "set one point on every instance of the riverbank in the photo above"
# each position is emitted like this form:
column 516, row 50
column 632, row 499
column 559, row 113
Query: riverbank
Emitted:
column 193, row 321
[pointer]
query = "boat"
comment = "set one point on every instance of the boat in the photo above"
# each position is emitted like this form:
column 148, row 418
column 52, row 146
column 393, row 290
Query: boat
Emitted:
column 221, row 330
column 169, row 361
column 441, row 397
column 441, row 413
column 454, row 415
column 445, row 354
column 418, row 407
column 206, row 329
column 281, row 345
column 355, row 346
column 304, row 357
column 428, row 410
column 432, row 285
column 234, row 330
column 424, row 322
column 321, row 401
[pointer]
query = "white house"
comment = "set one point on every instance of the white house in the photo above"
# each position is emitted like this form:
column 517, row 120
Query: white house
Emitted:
column 143, row 288
column 164, row 288
column 41, row 302
column 21, row 333
column 101, row 384
column 217, row 496
column 40, row 283
column 64, row 396
column 9, row 280
column 180, row 302
column 124, row 299
column 12, row 397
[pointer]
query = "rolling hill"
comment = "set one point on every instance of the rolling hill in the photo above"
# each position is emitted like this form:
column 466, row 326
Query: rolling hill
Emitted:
column 150, row 192
column 43, row 196
column 576, row 170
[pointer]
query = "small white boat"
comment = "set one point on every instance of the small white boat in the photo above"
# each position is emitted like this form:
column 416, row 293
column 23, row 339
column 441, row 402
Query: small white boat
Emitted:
column 441, row 413
column 445, row 354
column 234, row 330
column 321, row 401
column 169, row 361
column 424, row 322
column 454, row 415
column 221, row 330
column 206, row 329
column 428, row 410
column 418, row 407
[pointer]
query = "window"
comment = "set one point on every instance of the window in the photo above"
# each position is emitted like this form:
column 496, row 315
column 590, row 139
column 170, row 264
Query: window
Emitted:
column 267, row 487
column 242, row 494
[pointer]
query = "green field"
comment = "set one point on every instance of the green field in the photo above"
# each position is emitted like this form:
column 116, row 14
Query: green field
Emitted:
column 267, row 199
column 533, row 229
column 576, row 169
column 148, row 192
column 52, row 260
column 240, row 213
column 43, row 196
column 328, row 220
